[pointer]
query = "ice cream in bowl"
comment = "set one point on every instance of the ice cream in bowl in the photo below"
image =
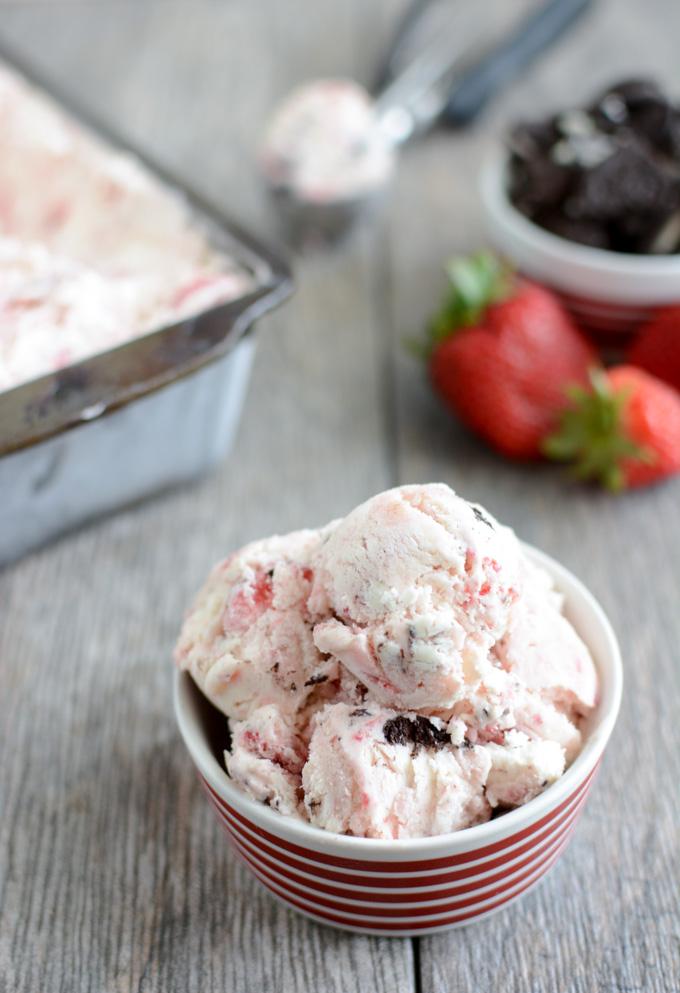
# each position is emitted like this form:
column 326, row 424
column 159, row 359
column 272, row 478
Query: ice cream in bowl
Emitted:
column 397, row 717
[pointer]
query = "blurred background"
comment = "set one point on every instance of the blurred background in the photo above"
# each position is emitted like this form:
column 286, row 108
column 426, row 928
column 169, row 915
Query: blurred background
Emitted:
column 336, row 410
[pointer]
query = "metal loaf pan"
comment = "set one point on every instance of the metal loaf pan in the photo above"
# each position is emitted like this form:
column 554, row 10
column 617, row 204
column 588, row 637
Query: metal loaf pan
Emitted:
column 160, row 409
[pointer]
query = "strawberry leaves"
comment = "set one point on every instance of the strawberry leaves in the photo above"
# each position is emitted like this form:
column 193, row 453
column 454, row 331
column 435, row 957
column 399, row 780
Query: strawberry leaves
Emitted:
column 474, row 283
column 592, row 433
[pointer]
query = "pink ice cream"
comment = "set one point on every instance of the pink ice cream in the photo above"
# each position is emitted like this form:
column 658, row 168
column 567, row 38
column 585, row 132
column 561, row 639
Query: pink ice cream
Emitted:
column 393, row 775
column 325, row 144
column 420, row 585
column 94, row 250
column 247, row 641
column 400, row 673
column 267, row 756
column 544, row 652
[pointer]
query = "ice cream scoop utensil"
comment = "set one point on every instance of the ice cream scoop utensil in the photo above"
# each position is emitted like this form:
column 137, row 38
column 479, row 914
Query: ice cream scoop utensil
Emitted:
column 445, row 62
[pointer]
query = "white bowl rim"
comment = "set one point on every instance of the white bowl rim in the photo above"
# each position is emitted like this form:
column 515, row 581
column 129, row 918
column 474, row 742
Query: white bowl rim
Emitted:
column 660, row 273
column 468, row 839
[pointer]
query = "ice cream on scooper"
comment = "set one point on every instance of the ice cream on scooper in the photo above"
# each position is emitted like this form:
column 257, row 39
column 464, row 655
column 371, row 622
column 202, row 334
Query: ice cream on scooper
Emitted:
column 324, row 144
column 331, row 147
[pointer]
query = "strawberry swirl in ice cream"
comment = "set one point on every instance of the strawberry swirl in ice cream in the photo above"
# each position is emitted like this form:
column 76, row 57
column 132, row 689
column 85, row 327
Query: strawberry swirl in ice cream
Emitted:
column 403, row 672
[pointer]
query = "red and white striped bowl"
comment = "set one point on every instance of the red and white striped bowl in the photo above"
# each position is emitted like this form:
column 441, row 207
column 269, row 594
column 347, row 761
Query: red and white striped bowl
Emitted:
column 423, row 885
column 609, row 294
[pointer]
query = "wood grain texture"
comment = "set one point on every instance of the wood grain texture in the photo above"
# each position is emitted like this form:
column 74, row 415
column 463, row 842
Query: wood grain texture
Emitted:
column 114, row 876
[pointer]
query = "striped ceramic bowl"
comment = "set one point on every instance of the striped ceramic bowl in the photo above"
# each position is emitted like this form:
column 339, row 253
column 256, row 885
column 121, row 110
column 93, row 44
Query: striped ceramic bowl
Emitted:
column 414, row 886
column 609, row 294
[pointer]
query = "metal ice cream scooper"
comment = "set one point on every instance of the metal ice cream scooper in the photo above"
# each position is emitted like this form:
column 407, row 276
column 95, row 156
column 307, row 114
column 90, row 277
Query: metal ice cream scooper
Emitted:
column 332, row 148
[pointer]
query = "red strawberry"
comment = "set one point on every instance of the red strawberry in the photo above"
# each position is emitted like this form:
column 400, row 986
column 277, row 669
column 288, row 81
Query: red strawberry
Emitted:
column 657, row 347
column 503, row 352
column 624, row 431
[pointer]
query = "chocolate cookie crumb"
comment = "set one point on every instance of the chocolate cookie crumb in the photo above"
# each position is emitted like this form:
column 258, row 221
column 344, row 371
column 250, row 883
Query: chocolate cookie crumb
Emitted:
column 605, row 175
column 315, row 680
column 359, row 712
column 418, row 731
column 481, row 517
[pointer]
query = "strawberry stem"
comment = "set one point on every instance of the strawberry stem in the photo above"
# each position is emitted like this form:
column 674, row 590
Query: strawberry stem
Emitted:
column 475, row 282
column 592, row 433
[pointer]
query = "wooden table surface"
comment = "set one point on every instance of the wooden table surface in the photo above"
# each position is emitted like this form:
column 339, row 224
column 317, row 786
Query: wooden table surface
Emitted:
column 114, row 876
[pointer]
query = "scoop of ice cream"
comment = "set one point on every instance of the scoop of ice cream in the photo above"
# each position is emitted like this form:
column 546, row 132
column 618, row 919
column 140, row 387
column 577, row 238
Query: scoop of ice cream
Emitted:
column 247, row 641
column 521, row 768
column 541, row 720
column 544, row 652
column 378, row 774
column 324, row 143
column 420, row 584
column 266, row 758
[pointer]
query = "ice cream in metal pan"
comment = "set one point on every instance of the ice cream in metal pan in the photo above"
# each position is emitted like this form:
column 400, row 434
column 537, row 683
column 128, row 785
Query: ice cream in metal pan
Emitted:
column 403, row 672
column 94, row 250
column 151, row 404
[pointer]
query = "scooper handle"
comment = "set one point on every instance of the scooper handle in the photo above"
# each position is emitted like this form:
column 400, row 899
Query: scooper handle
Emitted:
column 533, row 36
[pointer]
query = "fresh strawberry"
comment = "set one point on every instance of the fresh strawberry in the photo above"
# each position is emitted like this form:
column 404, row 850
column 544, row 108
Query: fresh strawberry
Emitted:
column 657, row 346
column 623, row 431
column 502, row 352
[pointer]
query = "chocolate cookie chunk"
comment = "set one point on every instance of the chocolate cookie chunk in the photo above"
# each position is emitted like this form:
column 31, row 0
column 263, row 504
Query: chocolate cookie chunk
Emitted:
column 418, row 731
column 607, row 175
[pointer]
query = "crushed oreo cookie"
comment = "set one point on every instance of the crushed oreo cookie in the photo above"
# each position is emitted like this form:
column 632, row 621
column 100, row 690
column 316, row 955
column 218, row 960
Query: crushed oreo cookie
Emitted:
column 315, row 680
column 607, row 175
column 418, row 731
column 360, row 712
column 481, row 516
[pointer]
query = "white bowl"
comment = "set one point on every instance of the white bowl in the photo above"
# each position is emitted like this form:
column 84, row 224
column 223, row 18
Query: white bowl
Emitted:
column 421, row 885
column 608, row 292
